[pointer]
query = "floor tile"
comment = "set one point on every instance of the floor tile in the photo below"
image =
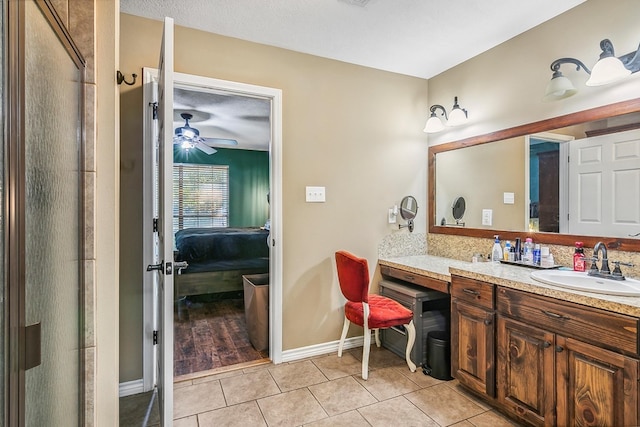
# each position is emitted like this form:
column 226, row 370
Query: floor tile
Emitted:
column 336, row 367
column 251, row 386
column 293, row 408
column 444, row 404
column 296, row 375
column 342, row 395
column 191, row 421
column 397, row 412
column 244, row 414
column 380, row 357
column 420, row 378
column 197, row 398
column 347, row 419
column 492, row 419
column 386, row 383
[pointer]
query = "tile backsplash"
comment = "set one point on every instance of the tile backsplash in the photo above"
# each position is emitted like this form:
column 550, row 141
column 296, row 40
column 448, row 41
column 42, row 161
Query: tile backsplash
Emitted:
column 463, row 247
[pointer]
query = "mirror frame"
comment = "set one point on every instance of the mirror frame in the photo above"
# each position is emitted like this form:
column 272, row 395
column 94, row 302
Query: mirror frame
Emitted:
column 598, row 113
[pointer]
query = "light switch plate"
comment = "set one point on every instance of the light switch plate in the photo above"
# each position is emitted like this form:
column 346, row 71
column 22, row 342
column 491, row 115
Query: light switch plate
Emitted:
column 315, row 194
column 487, row 216
column 509, row 198
column 392, row 216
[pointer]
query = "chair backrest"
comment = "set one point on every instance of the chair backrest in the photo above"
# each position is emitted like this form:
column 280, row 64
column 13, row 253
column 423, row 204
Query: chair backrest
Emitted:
column 353, row 275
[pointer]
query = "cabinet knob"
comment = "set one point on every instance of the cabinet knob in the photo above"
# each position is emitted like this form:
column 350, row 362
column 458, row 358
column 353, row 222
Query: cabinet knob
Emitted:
column 487, row 322
column 559, row 349
column 546, row 344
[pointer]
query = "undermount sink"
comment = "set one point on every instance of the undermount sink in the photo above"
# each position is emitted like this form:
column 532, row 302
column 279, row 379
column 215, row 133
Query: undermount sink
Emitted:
column 582, row 282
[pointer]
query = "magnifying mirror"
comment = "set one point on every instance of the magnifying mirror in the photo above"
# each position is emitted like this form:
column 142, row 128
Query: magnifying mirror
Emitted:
column 458, row 208
column 408, row 211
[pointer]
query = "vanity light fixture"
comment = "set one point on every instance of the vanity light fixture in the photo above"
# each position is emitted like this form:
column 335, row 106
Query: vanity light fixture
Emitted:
column 458, row 116
column 608, row 69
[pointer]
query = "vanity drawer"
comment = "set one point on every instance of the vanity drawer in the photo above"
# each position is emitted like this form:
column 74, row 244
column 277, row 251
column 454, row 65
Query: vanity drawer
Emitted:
column 417, row 279
column 476, row 292
column 613, row 330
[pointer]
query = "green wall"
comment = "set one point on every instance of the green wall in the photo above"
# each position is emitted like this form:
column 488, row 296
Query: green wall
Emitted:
column 248, row 181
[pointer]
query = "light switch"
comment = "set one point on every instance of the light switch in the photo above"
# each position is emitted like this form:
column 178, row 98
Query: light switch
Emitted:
column 487, row 216
column 509, row 198
column 315, row 194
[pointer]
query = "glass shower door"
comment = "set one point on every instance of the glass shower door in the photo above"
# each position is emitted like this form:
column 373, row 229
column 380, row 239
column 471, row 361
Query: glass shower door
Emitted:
column 53, row 93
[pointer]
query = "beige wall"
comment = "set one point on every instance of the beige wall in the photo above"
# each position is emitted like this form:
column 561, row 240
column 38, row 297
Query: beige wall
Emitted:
column 503, row 87
column 474, row 173
column 354, row 130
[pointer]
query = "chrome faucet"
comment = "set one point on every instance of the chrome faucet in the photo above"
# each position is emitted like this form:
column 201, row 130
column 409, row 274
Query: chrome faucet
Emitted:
column 604, row 269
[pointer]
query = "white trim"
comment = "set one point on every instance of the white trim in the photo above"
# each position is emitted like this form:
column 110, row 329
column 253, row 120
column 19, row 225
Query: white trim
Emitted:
column 130, row 388
column 275, row 155
column 320, row 349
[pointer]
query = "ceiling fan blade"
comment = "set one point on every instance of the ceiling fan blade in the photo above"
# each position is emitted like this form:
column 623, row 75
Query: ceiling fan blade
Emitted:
column 205, row 148
column 220, row 141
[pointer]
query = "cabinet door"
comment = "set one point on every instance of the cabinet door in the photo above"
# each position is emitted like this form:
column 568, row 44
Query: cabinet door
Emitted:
column 472, row 347
column 595, row 386
column 525, row 371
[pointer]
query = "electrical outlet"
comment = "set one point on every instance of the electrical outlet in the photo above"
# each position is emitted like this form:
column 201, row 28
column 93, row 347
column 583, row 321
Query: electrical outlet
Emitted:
column 392, row 216
column 487, row 217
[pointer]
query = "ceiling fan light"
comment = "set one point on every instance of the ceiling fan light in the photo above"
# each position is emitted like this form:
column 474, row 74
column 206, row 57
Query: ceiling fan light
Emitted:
column 434, row 124
column 559, row 87
column 607, row 70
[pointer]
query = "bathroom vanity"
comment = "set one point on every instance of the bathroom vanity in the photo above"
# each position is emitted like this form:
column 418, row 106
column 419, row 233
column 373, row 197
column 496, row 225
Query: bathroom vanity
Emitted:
column 542, row 354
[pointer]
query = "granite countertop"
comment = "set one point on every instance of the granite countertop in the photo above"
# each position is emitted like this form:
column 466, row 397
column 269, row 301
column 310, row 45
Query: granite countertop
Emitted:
column 510, row 276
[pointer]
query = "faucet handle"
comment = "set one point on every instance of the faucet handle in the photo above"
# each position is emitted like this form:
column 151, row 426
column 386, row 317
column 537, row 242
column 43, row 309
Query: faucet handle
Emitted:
column 616, row 270
column 594, row 266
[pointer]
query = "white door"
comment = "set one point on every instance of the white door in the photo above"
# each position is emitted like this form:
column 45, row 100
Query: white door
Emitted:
column 604, row 185
column 165, row 226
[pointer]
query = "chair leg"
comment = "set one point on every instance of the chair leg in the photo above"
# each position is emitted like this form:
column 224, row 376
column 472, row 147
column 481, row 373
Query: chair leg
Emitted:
column 411, row 339
column 365, row 353
column 377, row 336
column 345, row 329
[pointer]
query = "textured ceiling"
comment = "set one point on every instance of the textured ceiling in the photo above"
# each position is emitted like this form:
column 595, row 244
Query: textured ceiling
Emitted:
column 419, row 38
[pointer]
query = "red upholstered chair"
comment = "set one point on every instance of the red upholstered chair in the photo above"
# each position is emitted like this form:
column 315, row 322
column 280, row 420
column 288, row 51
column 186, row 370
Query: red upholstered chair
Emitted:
column 370, row 311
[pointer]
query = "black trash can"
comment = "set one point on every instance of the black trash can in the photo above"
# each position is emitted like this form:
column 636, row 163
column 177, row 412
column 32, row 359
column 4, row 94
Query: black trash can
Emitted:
column 438, row 355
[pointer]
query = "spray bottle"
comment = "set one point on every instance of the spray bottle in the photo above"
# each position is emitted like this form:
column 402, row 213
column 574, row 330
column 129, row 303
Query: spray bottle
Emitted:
column 496, row 252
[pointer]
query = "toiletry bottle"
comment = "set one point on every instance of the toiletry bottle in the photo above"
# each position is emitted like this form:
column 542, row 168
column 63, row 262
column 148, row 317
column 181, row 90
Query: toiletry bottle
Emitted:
column 546, row 259
column 507, row 249
column 527, row 255
column 496, row 252
column 578, row 257
column 518, row 249
column 536, row 254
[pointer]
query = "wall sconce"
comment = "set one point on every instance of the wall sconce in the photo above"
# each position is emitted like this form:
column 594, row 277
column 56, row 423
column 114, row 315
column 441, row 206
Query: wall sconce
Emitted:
column 608, row 69
column 458, row 116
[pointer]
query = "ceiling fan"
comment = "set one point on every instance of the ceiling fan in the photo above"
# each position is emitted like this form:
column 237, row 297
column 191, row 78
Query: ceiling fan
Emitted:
column 189, row 137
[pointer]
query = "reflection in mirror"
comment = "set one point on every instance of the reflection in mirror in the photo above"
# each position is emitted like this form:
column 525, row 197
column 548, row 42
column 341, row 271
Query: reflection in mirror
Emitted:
column 523, row 177
column 408, row 211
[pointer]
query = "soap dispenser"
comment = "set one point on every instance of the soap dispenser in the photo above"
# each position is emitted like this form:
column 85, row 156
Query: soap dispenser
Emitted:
column 496, row 252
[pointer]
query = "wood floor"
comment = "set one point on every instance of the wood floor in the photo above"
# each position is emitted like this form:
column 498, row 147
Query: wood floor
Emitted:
column 211, row 333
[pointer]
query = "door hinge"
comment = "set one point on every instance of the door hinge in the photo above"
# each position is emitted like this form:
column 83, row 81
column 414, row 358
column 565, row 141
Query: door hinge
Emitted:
column 155, row 225
column 155, row 337
column 155, row 110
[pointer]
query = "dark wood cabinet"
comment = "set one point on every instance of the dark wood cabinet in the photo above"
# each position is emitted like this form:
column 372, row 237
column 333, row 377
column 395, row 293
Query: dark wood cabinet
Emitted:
column 545, row 361
column 473, row 335
column 526, row 371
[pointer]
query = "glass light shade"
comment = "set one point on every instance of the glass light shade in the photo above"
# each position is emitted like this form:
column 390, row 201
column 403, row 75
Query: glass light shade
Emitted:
column 434, row 124
column 558, row 88
column 457, row 117
column 607, row 70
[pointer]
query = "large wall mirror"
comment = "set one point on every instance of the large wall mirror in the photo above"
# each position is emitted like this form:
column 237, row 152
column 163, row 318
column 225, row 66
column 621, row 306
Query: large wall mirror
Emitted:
column 573, row 177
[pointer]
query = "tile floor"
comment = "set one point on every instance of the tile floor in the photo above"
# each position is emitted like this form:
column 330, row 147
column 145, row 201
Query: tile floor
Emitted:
column 323, row 391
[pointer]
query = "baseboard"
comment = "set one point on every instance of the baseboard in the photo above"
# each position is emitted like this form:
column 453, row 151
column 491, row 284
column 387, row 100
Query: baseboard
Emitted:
column 137, row 386
column 320, row 349
column 131, row 387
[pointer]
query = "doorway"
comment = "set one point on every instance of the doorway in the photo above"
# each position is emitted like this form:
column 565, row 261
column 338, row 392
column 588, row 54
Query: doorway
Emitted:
column 213, row 302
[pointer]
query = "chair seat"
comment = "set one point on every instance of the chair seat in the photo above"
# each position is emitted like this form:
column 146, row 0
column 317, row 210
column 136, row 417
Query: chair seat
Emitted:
column 384, row 312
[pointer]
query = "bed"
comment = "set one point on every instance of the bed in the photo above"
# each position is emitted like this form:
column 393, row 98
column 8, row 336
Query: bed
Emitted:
column 218, row 258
